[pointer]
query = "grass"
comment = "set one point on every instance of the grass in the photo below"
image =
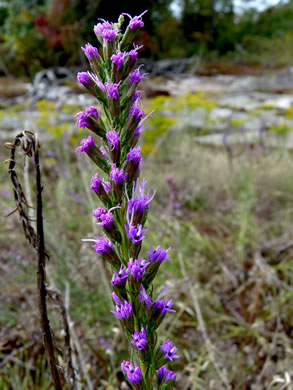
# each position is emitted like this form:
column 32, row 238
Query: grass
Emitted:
column 230, row 277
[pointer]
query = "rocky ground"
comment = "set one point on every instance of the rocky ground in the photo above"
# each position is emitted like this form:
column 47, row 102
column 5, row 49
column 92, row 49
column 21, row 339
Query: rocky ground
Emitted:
column 224, row 108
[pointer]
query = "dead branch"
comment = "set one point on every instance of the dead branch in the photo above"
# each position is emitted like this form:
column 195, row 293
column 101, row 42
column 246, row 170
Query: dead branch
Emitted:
column 27, row 143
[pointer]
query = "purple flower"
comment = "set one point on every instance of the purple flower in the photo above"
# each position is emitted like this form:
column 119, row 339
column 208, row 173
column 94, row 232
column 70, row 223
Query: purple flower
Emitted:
column 133, row 53
column 136, row 21
column 139, row 202
column 117, row 175
column 169, row 350
column 164, row 374
column 136, row 268
column 135, row 233
column 119, row 277
column 143, row 297
column 98, row 185
column 106, row 218
column 136, row 111
column 164, row 306
column 134, row 156
column 113, row 139
column 99, row 212
column 133, row 374
column 83, row 78
column 104, row 152
column 158, row 255
column 97, row 81
column 103, row 246
column 86, row 144
column 118, row 59
column 112, row 90
column 82, row 120
column 139, row 339
column 107, row 221
column 90, row 51
column 135, row 76
column 123, row 310
column 106, row 30
column 92, row 111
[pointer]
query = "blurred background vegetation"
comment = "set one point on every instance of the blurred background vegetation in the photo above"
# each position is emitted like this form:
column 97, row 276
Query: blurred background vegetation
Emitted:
column 36, row 34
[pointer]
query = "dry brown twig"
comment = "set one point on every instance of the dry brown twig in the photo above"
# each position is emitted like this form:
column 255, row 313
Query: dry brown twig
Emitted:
column 27, row 143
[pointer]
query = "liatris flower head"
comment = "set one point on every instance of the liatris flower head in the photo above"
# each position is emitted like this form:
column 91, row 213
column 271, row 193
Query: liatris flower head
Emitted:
column 114, row 145
column 136, row 21
column 118, row 177
column 139, row 339
column 105, row 248
column 106, row 221
column 138, row 205
column 106, row 30
column 118, row 60
column 136, row 269
column 88, row 145
column 112, row 90
column 134, row 53
column 119, row 278
column 133, row 163
column 169, row 350
column 123, row 311
column 132, row 373
column 158, row 255
column 92, row 111
column 84, row 78
column 135, row 77
column 166, row 376
column 99, row 186
column 90, row 51
column 135, row 235
column 90, row 120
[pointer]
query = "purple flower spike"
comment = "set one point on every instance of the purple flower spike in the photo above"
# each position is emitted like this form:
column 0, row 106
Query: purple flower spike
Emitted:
column 82, row 120
column 119, row 277
column 139, row 339
column 112, row 90
column 117, row 175
column 158, row 255
column 136, row 77
column 135, row 234
column 136, row 21
column 123, row 310
column 169, row 350
column 113, row 139
column 133, row 374
column 106, row 31
column 92, row 111
column 86, row 144
column 136, row 111
column 118, row 59
column 90, row 51
column 104, row 152
column 83, row 78
column 136, row 268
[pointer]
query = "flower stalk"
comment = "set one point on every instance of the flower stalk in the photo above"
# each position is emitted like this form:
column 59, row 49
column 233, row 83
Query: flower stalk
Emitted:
column 114, row 81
